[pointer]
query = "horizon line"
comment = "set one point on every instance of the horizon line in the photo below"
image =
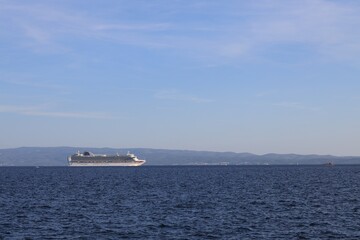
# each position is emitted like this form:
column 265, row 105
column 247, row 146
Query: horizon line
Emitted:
column 189, row 150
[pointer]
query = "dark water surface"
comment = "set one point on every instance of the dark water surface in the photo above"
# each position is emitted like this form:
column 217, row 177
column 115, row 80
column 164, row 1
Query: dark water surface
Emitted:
column 242, row 202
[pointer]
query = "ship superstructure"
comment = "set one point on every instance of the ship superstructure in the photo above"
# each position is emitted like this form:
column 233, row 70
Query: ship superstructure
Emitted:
column 100, row 160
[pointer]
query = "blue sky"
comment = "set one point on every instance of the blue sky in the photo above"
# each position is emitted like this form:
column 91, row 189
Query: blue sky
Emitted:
column 243, row 76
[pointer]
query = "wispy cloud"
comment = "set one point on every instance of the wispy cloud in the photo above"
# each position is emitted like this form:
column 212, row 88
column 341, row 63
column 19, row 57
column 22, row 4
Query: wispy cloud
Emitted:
column 267, row 93
column 177, row 96
column 133, row 27
column 326, row 25
column 295, row 105
column 29, row 82
column 40, row 111
column 244, row 28
column 43, row 26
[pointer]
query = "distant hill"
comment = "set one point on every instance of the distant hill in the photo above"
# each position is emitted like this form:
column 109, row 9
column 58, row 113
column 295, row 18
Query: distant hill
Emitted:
column 57, row 156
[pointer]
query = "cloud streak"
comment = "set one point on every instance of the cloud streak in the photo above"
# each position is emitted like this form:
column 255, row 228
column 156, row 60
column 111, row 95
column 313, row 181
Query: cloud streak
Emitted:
column 38, row 111
column 326, row 25
column 246, row 29
column 176, row 96
column 132, row 27
column 28, row 82
column 295, row 105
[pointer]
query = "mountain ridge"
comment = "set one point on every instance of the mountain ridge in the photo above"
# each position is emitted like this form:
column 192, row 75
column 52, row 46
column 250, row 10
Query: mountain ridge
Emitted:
column 57, row 156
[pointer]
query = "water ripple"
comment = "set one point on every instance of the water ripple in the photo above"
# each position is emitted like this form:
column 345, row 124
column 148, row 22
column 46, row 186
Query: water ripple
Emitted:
column 282, row 202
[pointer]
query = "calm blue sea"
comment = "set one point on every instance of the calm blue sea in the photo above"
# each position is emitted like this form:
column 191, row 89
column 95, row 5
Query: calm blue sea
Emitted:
column 207, row 202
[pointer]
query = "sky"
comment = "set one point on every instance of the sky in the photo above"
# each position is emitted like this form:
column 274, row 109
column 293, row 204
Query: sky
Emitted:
column 267, row 76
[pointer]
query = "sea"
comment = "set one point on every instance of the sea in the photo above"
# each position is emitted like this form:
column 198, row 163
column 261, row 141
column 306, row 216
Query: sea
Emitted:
column 180, row 202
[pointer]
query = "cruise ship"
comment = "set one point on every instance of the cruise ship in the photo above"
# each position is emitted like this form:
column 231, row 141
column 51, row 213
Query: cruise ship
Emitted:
column 100, row 160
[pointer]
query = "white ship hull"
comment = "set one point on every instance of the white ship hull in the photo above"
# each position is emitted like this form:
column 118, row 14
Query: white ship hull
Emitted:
column 106, row 164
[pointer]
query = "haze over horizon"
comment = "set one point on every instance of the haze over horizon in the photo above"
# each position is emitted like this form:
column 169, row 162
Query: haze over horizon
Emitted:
column 242, row 76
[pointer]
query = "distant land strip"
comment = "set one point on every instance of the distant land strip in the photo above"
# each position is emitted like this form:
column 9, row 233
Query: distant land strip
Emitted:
column 57, row 156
